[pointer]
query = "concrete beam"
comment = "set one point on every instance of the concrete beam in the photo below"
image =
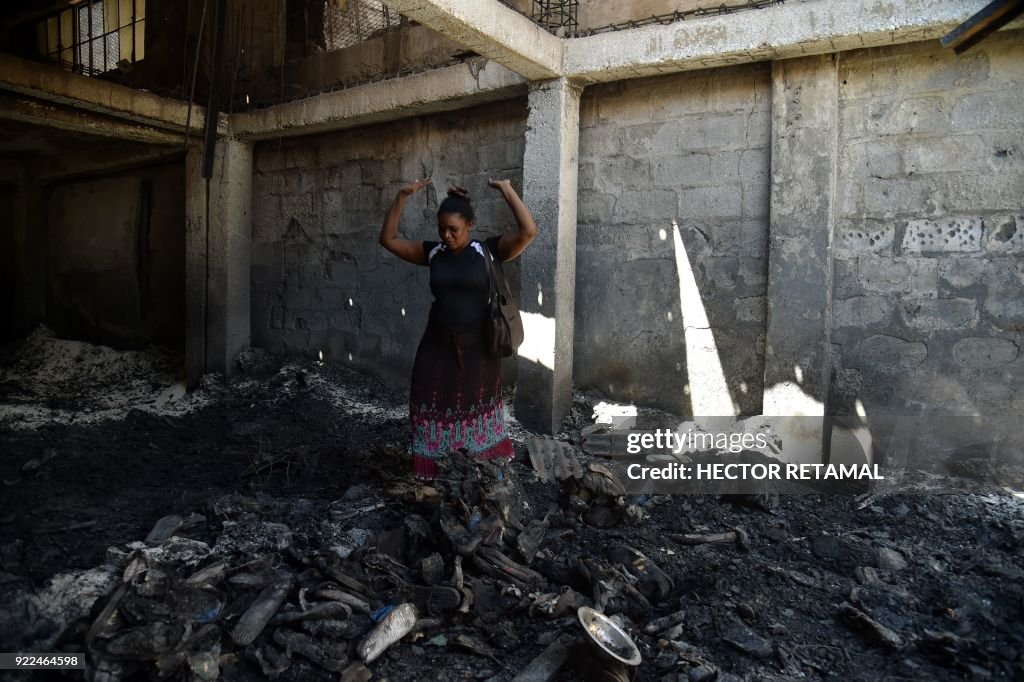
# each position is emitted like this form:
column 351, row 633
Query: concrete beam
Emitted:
column 444, row 89
column 114, row 159
column 805, row 125
column 776, row 32
column 548, row 269
column 493, row 30
column 508, row 38
column 48, row 115
column 218, row 253
column 56, row 85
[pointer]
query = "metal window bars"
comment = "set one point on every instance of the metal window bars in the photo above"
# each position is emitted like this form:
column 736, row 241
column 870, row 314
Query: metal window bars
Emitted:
column 95, row 36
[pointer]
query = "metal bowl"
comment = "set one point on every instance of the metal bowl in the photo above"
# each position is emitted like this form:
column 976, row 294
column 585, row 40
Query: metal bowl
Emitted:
column 608, row 638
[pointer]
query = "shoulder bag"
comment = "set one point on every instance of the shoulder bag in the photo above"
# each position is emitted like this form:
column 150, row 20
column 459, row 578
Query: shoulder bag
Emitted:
column 503, row 330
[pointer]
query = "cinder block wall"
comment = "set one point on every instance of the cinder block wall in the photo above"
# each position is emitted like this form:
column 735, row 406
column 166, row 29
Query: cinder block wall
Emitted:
column 687, row 152
column 928, row 302
column 320, row 279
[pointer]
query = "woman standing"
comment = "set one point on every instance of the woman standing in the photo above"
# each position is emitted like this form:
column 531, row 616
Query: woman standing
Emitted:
column 455, row 397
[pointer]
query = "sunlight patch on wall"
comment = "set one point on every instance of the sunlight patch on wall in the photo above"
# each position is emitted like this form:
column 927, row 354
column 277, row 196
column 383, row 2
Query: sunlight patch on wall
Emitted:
column 709, row 391
column 539, row 342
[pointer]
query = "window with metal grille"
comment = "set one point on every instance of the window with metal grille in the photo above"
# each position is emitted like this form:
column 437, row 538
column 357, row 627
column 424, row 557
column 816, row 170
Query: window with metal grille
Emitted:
column 347, row 22
column 94, row 36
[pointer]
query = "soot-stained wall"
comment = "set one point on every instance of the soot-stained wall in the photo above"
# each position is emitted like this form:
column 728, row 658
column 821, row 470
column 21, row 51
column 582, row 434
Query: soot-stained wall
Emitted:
column 8, row 264
column 116, row 258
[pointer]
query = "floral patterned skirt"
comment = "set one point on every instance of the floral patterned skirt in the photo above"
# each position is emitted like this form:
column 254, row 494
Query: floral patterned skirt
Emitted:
column 455, row 400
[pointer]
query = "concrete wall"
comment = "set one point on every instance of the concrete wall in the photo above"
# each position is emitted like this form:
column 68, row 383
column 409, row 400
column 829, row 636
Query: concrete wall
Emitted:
column 318, row 204
column 8, row 263
column 928, row 311
column 115, row 258
column 408, row 48
column 689, row 150
column 163, row 273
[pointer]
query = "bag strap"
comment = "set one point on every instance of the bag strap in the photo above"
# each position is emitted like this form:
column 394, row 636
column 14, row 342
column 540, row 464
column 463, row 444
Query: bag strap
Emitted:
column 497, row 275
column 491, row 275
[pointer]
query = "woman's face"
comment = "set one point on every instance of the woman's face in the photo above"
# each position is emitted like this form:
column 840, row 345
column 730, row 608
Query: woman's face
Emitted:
column 453, row 230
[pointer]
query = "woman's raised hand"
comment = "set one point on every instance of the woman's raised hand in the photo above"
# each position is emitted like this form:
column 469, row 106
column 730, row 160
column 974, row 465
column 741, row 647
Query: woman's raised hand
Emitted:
column 416, row 186
column 499, row 184
column 409, row 250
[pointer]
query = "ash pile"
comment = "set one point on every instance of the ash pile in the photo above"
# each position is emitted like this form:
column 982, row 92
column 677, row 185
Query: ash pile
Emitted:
column 461, row 564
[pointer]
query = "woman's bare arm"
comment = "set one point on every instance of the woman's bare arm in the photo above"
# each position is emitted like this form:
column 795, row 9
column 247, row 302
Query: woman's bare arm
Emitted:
column 408, row 250
column 513, row 243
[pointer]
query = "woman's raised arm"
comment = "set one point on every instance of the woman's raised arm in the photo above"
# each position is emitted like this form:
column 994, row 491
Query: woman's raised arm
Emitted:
column 512, row 244
column 407, row 249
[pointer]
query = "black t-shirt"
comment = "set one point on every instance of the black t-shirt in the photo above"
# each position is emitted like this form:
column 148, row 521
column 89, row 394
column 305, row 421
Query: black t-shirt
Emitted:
column 459, row 283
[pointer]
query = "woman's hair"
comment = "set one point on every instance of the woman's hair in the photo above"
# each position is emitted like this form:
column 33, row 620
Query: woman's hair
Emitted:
column 457, row 202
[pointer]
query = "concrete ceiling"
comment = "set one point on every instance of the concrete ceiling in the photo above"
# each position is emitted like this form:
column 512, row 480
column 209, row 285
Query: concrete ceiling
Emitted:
column 19, row 139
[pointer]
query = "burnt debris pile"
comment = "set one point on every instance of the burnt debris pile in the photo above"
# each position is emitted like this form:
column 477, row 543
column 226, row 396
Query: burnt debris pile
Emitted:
column 548, row 569
column 334, row 565
column 452, row 565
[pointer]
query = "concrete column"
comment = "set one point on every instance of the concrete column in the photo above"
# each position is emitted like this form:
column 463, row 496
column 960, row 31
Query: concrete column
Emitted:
column 30, row 251
column 548, row 269
column 803, row 179
column 218, row 246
